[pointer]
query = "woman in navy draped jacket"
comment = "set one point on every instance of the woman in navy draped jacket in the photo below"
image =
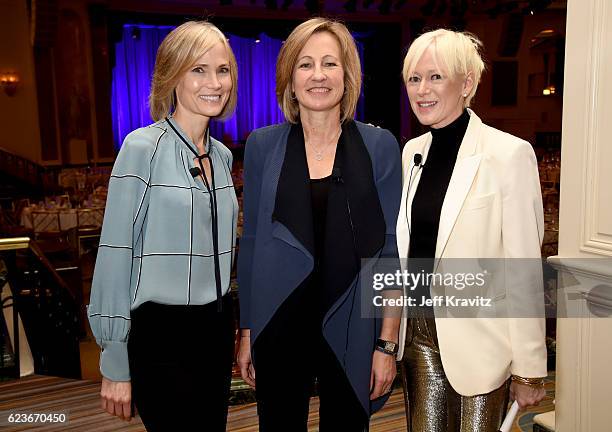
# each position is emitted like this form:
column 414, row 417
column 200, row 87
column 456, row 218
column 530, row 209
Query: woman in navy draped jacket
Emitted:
column 321, row 197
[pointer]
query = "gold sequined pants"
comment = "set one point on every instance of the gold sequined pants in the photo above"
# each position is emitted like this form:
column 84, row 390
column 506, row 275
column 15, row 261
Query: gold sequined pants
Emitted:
column 432, row 405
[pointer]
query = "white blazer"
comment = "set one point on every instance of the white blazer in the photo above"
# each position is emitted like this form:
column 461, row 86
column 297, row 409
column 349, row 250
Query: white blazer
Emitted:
column 492, row 209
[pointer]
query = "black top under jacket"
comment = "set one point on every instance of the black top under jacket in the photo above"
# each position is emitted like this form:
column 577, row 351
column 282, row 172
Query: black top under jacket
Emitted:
column 429, row 196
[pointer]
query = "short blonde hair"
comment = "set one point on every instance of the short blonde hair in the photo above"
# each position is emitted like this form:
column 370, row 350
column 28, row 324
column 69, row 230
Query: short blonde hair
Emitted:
column 458, row 52
column 288, row 56
column 178, row 52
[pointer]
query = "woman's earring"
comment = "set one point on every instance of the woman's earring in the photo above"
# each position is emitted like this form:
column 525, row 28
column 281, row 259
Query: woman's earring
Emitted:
column 465, row 95
column 293, row 96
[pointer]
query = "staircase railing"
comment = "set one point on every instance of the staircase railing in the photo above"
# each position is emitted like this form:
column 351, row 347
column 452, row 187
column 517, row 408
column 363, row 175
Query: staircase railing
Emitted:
column 48, row 307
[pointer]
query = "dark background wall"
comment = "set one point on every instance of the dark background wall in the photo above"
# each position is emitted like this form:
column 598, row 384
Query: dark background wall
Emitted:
column 62, row 106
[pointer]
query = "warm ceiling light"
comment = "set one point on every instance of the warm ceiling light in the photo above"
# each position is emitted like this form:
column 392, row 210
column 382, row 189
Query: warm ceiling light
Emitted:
column 9, row 82
column 546, row 92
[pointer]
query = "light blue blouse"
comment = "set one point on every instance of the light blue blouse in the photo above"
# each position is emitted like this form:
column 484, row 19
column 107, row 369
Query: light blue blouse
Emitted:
column 156, row 243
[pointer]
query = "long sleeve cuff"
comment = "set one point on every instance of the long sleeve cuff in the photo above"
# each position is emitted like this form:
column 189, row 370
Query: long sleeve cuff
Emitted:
column 114, row 363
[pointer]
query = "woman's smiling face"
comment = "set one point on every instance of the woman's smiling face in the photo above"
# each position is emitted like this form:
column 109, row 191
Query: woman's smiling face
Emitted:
column 205, row 88
column 318, row 76
column 435, row 97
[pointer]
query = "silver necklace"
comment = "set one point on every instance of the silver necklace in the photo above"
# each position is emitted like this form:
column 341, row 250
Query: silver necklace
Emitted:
column 320, row 153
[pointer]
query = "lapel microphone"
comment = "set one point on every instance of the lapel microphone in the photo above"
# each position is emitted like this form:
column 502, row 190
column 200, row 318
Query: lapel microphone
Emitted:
column 195, row 171
column 418, row 159
column 336, row 175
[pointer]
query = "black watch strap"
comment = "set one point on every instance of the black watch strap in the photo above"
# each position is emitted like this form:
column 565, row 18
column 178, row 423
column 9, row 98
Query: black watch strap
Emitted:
column 386, row 347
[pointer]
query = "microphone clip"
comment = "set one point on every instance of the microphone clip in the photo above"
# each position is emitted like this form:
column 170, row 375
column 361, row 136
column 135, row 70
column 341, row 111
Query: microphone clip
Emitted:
column 195, row 171
column 336, row 176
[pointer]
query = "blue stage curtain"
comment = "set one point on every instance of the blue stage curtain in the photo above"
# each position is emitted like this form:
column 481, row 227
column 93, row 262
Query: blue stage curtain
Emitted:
column 134, row 62
column 257, row 105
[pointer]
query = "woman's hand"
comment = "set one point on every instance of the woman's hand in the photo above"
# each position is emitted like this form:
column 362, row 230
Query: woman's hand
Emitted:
column 247, row 371
column 383, row 374
column 117, row 398
column 526, row 395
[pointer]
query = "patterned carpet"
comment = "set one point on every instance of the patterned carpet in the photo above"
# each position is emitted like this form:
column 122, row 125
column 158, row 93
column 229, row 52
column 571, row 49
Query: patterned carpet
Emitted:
column 81, row 402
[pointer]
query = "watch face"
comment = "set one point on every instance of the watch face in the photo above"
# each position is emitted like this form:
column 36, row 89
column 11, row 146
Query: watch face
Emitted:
column 389, row 346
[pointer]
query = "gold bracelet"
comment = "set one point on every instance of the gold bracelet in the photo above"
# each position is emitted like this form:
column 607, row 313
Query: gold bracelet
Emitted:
column 531, row 382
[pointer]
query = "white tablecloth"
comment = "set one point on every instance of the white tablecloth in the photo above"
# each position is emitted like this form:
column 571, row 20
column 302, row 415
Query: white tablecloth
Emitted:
column 48, row 220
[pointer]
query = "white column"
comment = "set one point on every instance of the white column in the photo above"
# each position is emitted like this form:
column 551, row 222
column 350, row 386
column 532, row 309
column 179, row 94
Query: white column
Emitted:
column 584, row 345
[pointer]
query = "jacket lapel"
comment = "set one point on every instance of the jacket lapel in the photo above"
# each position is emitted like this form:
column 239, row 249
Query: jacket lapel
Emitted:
column 293, row 199
column 461, row 181
column 366, row 215
column 410, row 188
column 355, row 225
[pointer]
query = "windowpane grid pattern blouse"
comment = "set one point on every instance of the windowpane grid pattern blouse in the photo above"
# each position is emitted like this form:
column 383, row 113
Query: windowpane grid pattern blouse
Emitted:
column 156, row 243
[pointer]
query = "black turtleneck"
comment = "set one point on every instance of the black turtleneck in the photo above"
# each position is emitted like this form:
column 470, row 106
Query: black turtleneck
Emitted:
column 435, row 177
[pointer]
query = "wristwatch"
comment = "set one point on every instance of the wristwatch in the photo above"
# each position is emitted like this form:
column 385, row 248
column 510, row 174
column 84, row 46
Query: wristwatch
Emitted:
column 386, row 347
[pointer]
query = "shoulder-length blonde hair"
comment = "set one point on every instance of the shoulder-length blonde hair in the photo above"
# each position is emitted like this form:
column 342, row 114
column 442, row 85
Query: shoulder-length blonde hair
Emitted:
column 179, row 50
column 288, row 56
column 458, row 53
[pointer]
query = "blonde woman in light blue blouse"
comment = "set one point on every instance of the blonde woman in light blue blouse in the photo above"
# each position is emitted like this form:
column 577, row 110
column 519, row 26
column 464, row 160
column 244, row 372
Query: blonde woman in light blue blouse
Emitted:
column 160, row 308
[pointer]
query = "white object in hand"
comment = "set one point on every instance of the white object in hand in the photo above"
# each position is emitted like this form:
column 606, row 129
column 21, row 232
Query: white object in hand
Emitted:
column 509, row 420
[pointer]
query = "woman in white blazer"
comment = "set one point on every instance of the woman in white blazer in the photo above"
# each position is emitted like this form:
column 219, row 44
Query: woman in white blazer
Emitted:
column 469, row 191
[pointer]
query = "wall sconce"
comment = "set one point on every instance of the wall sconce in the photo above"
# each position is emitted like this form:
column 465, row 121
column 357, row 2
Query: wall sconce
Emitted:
column 9, row 82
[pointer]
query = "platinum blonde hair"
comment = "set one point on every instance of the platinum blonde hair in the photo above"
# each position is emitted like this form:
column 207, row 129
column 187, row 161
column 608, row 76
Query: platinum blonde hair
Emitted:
column 459, row 53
